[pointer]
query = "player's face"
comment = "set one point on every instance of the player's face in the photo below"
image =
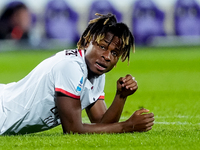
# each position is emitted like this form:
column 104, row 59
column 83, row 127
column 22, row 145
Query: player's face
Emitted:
column 102, row 57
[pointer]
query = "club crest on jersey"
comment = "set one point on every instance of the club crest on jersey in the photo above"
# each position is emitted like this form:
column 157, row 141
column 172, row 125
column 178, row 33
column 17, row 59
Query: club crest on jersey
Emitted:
column 80, row 85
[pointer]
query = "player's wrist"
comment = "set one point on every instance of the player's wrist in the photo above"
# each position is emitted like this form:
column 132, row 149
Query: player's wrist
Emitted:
column 127, row 127
column 121, row 95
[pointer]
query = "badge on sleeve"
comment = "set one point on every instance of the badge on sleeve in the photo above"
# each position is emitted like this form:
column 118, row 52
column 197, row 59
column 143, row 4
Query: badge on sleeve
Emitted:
column 80, row 85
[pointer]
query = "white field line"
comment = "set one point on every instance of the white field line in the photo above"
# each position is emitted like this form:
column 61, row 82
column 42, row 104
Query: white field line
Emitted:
column 85, row 119
column 176, row 123
column 179, row 116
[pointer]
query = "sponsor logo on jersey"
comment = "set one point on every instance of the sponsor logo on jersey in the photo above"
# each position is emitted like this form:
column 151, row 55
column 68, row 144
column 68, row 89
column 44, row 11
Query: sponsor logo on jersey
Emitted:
column 80, row 85
column 53, row 119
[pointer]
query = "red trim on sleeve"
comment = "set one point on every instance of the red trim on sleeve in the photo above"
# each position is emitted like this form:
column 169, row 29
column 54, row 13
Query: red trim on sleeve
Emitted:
column 80, row 52
column 67, row 93
column 101, row 97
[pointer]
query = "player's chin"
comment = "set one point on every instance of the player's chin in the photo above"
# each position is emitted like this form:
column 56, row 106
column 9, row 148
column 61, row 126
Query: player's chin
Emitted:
column 99, row 72
column 96, row 72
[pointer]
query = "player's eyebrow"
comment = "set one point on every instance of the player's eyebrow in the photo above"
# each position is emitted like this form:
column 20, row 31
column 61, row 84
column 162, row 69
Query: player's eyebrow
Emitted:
column 109, row 42
column 106, row 41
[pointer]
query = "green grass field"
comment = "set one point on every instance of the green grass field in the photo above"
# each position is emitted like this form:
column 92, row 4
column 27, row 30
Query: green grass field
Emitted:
column 169, row 86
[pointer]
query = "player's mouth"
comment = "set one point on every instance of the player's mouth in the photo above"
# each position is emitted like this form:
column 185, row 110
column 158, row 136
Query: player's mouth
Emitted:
column 100, row 67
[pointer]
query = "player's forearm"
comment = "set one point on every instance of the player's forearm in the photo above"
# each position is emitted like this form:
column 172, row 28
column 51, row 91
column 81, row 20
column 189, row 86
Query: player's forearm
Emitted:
column 114, row 112
column 102, row 128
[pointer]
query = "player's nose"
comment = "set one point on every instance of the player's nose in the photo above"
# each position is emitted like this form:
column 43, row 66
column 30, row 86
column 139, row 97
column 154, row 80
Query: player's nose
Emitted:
column 106, row 55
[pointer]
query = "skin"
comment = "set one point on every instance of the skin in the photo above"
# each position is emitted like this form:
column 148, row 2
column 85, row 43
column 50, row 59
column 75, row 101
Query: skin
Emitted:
column 22, row 19
column 100, row 58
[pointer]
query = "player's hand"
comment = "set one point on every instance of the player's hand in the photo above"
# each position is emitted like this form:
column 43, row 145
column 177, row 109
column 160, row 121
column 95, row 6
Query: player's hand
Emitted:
column 141, row 120
column 126, row 86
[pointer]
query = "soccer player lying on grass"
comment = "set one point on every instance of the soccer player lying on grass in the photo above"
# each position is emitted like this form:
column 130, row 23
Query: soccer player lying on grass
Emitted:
column 60, row 87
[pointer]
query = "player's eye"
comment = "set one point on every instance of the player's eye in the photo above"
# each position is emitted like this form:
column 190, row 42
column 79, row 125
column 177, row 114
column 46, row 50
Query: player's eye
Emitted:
column 114, row 53
column 102, row 47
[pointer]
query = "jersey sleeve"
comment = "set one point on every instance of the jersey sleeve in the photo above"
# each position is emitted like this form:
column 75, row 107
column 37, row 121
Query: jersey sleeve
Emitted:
column 101, row 97
column 101, row 87
column 68, row 77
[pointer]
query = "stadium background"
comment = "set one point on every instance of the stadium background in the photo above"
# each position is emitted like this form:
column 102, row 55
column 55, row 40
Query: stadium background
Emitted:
column 81, row 7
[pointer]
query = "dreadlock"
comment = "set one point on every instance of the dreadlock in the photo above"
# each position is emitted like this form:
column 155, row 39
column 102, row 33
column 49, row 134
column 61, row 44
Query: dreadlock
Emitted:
column 98, row 28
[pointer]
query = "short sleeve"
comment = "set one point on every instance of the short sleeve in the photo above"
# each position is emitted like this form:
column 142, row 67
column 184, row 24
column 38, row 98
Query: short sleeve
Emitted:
column 101, row 85
column 68, row 76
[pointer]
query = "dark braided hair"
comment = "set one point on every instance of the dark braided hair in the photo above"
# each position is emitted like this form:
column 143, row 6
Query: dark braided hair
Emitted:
column 107, row 23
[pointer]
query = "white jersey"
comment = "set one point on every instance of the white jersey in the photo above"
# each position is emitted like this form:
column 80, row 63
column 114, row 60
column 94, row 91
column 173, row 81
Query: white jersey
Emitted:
column 28, row 105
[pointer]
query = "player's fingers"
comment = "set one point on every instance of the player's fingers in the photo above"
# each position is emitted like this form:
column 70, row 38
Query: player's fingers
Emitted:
column 149, row 128
column 133, row 87
column 150, row 124
column 120, row 80
column 151, row 119
column 149, row 115
column 129, row 77
column 144, row 129
column 140, row 111
column 131, row 83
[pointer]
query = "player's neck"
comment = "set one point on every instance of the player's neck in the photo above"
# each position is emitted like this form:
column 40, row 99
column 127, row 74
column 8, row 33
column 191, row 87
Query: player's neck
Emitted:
column 91, row 76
